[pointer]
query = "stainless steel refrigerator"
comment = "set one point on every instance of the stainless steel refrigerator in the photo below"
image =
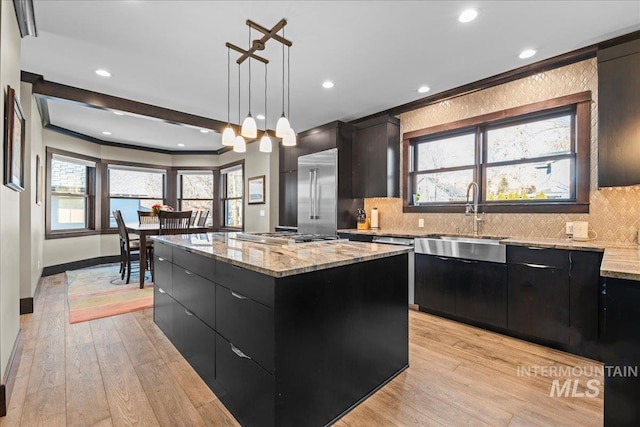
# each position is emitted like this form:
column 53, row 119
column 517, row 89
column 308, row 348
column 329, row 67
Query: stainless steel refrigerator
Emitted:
column 322, row 209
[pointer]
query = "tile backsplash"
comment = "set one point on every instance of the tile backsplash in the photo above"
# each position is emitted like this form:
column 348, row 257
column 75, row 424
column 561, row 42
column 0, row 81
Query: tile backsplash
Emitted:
column 614, row 212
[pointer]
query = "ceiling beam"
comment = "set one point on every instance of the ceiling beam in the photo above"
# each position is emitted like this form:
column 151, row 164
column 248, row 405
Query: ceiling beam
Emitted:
column 107, row 102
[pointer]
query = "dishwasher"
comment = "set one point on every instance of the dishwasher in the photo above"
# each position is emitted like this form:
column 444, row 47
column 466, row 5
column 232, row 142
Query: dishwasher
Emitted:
column 402, row 241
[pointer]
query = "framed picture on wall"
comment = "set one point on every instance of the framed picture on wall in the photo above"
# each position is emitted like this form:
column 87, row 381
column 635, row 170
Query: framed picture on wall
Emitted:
column 256, row 190
column 38, row 180
column 14, row 125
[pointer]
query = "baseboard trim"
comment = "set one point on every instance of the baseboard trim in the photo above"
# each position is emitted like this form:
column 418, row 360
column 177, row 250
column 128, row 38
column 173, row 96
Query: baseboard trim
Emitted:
column 76, row 265
column 10, row 375
column 26, row 305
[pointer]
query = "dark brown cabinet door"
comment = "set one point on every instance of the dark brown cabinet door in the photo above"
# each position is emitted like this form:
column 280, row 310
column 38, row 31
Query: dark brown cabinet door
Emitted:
column 538, row 301
column 375, row 158
column 585, row 295
column 435, row 283
column 289, row 198
column 481, row 292
column 619, row 115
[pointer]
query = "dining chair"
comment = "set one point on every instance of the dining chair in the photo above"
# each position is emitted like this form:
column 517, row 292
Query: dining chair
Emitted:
column 128, row 247
column 194, row 216
column 147, row 217
column 174, row 222
column 202, row 219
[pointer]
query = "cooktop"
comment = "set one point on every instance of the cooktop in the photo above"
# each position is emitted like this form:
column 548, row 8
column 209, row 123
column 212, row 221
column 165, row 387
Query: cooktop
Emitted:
column 284, row 237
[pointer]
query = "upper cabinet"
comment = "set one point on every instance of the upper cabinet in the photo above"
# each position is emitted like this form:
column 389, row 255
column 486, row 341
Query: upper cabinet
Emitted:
column 619, row 115
column 376, row 158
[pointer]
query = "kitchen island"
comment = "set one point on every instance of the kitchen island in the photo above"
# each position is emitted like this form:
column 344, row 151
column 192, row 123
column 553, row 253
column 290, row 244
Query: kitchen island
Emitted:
column 284, row 334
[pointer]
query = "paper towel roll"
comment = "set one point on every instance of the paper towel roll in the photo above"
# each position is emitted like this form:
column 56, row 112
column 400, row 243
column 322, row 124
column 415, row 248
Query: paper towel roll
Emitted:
column 374, row 218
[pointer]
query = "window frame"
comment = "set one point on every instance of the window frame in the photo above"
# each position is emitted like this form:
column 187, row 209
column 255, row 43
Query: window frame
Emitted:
column 224, row 198
column 214, row 194
column 166, row 171
column 90, row 209
column 580, row 103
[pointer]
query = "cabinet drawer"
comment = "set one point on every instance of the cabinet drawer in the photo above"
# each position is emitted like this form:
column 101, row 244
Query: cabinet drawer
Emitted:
column 162, row 275
column 249, row 283
column 195, row 341
column 163, row 311
column 246, row 323
column 245, row 388
column 163, row 250
column 195, row 263
column 195, row 293
column 556, row 258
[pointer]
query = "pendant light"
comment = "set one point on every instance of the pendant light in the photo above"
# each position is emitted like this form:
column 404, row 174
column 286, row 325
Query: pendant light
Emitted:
column 283, row 122
column 249, row 126
column 265, row 142
column 239, row 144
column 228, row 136
column 289, row 137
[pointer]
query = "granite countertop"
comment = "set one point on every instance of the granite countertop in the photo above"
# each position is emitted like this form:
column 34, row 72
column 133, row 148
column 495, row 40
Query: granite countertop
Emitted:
column 281, row 260
column 620, row 260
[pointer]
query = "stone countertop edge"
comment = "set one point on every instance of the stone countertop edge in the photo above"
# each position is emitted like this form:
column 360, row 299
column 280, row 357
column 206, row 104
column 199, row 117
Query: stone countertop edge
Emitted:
column 620, row 260
column 309, row 265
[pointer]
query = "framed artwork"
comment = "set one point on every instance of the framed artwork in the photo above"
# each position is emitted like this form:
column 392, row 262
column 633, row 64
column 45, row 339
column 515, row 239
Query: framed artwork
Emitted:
column 14, row 125
column 256, row 190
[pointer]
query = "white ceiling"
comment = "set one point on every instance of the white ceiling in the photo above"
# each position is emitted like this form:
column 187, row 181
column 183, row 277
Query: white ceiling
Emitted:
column 172, row 54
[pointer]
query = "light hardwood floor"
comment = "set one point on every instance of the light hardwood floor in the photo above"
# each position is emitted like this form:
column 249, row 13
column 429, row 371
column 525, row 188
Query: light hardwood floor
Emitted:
column 123, row 371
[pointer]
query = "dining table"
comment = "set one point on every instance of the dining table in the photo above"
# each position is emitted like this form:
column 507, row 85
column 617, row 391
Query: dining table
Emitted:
column 144, row 230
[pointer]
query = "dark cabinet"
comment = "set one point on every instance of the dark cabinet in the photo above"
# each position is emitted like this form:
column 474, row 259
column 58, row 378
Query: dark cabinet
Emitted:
column 585, row 302
column 481, row 292
column 538, row 303
column 622, row 350
column 471, row 290
column 195, row 341
column 288, row 203
column 376, row 158
column 619, row 115
column 163, row 311
column 354, row 237
column 435, row 283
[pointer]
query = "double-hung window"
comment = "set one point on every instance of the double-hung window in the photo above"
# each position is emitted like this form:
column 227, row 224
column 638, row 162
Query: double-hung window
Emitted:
column 195, row 192
column 232, row 196
column 134, row 188
column 529, row 159
column 72, row 193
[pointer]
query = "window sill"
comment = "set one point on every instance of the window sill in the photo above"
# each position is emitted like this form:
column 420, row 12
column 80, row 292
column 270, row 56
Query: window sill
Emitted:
column 63, row 234
column 552, row 207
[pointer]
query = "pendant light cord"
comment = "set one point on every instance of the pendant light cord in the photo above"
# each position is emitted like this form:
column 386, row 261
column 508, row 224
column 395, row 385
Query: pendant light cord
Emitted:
column 283, row 73
column 239, row 116
column 249, row 73
column 289, row 82
column 228, row 86
column 265, row 99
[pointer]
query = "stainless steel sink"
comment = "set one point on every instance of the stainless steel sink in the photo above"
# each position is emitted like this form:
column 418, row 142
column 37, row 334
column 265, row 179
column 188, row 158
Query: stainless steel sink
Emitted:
column 473, row 248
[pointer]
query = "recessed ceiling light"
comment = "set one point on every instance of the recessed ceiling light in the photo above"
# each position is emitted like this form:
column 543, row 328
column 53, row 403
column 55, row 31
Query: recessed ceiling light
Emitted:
column 204, row 130
column 424, row 89
column 260, row 117
column 180, row 145
column 103, row 73
column 468, row 15
column 527, row 53
column 105, row 132
column 328, row 84
column 118, row 113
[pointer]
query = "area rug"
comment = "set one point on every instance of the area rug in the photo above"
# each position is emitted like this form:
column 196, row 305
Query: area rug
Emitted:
column 99, row 292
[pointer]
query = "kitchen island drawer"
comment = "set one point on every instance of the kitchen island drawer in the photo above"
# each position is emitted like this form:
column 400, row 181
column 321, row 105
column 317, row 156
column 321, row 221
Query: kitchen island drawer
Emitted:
column 162, row 275
column 246, row 323
column 163, row 311
column 252, row 284
column 199, row 264
column 163, row 250
column 195, row 341
column 556, row 258
column 196, row 293
column 243, row 386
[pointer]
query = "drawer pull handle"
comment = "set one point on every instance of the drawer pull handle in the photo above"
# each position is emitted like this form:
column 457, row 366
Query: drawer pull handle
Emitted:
column 187, row 312
column 161, row 291
column 537, row 266
column 238, row 295
column 535, row 248
column 466, row 261
column 239, row 353
column 236, row 267
column 188, row 272
column 160, row 259
column 443, row 258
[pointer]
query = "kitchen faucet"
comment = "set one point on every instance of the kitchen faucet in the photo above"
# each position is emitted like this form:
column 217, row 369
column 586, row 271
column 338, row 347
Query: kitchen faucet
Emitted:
column 473, row 209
